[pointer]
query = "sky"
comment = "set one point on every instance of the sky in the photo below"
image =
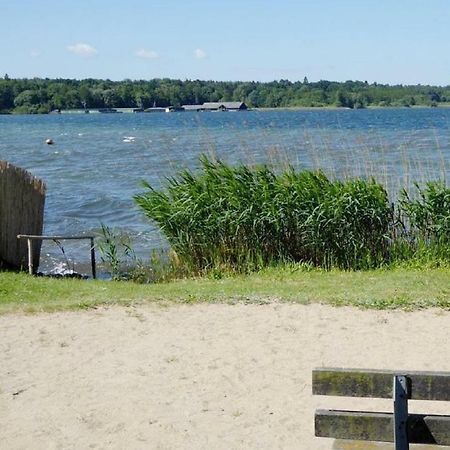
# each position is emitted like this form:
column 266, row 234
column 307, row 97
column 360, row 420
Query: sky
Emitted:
column 384, row 41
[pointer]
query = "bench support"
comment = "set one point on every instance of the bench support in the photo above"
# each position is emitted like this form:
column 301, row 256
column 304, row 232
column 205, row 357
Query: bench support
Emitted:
column 401, row 395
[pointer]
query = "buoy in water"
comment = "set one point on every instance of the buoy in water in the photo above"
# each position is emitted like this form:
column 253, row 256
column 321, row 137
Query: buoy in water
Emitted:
column 49, row 141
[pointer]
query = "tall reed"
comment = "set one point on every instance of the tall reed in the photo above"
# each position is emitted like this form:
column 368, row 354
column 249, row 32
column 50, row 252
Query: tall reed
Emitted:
column 425, row 215
column 243, row 219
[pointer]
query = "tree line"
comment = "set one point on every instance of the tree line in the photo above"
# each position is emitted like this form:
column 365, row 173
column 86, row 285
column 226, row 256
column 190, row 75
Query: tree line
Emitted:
column 38, row 95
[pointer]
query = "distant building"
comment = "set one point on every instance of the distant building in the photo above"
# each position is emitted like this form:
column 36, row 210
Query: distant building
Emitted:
column 217, row 106
column 155, row 109
column 224, row 106
column 192, row 107
column 174, row 108
column 108, row 110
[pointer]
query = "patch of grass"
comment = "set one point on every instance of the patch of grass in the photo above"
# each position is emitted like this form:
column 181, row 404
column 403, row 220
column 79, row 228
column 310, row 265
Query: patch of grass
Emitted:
column 404, row 288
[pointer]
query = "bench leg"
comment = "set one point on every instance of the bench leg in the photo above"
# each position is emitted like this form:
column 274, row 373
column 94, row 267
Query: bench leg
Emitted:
column 400, row 390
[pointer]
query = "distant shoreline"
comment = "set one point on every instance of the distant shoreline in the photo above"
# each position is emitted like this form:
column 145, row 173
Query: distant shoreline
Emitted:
column 40, row 96
column 334, row 108
column 260, row 109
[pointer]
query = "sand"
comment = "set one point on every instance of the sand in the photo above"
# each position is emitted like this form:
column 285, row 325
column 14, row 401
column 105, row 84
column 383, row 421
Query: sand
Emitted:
column 205, row 376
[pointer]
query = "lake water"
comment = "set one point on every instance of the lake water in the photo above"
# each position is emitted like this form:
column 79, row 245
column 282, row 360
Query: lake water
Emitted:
column 98, row 160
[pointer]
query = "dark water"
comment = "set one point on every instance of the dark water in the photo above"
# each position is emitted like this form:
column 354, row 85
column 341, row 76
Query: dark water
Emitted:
column 98, row 160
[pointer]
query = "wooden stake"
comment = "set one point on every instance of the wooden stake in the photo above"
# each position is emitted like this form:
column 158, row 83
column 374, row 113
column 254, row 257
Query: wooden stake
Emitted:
column 93, row 258
column 30, row 256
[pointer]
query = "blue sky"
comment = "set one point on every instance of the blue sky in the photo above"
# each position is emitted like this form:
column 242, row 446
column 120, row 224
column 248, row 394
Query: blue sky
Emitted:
column 388, row 41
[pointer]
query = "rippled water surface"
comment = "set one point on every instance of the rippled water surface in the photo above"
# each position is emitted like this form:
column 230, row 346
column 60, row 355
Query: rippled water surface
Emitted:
column 98, row 160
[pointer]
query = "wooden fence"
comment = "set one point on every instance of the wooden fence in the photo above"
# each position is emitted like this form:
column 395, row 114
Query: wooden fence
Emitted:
column 22, row 198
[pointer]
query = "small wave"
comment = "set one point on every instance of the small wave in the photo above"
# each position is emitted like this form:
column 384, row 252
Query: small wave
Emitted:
column 103, row 208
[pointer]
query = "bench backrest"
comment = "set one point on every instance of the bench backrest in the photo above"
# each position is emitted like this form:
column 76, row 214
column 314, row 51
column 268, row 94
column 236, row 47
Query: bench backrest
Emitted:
column 417, row 428
column 378, row 383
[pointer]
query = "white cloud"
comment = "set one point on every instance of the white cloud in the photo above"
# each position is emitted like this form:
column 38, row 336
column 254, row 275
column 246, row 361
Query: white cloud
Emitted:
column 146, row 54
column 200, row 54
column 35, row 53
column 81, row 49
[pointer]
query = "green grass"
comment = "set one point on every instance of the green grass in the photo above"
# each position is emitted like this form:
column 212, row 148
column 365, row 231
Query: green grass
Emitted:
column 378, row 289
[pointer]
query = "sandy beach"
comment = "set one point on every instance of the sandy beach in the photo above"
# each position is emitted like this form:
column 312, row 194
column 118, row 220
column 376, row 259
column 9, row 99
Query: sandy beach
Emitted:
column 204, row 376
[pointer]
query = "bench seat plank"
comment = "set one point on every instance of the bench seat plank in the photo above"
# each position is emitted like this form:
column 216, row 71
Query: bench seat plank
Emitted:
column 340, row 444
column 379, row 383
column 371, row 426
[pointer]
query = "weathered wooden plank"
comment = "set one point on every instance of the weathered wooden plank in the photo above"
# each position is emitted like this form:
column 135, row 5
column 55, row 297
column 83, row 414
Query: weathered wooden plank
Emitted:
column 370, row 426
column 379, row 384
column 359, row 426
column 340, row 444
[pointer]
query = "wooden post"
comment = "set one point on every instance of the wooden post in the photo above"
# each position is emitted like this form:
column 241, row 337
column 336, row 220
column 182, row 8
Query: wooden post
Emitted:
column 30, row 256
column 93, row 258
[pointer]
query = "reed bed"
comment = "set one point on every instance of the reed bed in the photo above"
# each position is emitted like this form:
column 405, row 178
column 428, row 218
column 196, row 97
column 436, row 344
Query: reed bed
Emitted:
column 425, row 219
column 243, row 218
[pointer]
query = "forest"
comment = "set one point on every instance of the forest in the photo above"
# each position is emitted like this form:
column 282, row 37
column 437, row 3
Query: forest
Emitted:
column 41, row 96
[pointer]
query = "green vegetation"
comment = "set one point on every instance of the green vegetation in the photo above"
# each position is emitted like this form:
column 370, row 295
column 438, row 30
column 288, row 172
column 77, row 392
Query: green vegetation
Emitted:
column 240, row 219
column 244, row 219
column 380, row 289
column 115, row 251
column 298, row 230
column 43, row 95
column 427, row 216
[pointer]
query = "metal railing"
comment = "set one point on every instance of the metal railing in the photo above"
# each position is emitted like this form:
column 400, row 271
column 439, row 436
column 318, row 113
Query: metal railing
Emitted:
column 30, row 238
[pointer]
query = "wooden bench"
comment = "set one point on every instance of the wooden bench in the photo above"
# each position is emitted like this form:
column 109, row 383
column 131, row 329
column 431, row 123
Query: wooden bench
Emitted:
column 399, row 427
